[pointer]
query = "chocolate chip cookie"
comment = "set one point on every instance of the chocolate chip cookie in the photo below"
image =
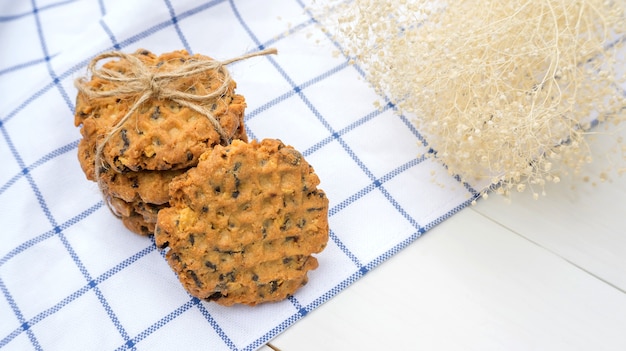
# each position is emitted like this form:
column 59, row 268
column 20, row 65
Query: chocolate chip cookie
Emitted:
column 243, row 224
column 160, row 134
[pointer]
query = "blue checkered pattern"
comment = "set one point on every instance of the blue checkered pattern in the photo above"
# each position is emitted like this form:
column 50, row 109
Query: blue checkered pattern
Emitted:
column 72, row 277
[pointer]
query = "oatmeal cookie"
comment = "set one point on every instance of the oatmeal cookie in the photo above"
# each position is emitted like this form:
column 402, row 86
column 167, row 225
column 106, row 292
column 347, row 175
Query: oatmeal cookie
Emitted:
column 160, row 134
column 138, row 216
column 151, row 187
column 244, row 223
column 137, row 224
column 148, row 186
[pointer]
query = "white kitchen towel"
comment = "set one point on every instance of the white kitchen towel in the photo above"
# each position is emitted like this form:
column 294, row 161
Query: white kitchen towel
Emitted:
column 73, row 278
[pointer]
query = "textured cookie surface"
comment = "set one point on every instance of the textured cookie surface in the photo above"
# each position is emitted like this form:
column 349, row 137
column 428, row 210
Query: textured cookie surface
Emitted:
column 244, row 223
column 161, row 134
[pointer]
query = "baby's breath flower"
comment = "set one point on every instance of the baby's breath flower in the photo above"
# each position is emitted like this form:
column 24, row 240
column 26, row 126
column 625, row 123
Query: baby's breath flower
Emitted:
column 505, row 91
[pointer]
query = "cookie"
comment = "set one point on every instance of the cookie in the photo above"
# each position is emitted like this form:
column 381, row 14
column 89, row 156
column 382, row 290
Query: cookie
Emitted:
column 137, row 224
column 243, row 224
column 135, row 197
column 161, row 134
column 150, row 187
column 138, row 216
column 147, row 186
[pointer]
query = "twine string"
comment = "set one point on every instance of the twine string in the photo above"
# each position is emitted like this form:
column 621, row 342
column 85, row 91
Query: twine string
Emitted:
column 143, row 82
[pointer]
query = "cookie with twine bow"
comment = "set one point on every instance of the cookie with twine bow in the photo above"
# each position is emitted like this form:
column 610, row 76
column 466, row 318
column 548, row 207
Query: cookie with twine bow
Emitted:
column 145, row 118
column 158, row 112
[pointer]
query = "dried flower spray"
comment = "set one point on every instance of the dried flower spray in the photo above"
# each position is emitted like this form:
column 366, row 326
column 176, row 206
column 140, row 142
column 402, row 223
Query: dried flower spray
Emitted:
column 504, row 92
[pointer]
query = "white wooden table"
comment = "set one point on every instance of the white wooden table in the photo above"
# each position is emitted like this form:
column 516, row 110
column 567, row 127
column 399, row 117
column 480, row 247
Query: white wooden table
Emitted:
column 547, row 274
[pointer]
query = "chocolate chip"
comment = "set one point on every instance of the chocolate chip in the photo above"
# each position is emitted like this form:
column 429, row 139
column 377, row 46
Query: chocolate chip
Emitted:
column 210, row 265
column 215, row 296
column 230, row 276
column 191, row 239
column 145, row 52
column 286, row 224
column 195, row 278
column 156, row 114
column 165, row 244
column 174, row 107
column 124, row 134
column 235, row 193
column 229, row 252
column 273, row 286
column 301, row 223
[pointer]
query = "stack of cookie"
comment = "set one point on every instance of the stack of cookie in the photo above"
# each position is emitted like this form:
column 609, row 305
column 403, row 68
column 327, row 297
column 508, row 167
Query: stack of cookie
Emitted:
column 240, row 221
column 160, row 140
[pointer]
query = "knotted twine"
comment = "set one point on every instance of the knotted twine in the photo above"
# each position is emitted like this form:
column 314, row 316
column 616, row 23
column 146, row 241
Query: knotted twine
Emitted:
column 142, row 81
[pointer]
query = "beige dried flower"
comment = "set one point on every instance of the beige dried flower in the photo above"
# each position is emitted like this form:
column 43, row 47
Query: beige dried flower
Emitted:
column 504, row 91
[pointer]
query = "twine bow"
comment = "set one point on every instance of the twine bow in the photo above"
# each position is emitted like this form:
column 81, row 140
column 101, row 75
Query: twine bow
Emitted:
column 142, row 81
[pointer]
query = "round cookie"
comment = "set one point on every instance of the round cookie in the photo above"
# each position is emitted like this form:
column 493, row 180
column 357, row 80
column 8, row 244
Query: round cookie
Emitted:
column 148, row 186
column 145, row 186
column 134, row 197
column 242, row 226
column 137, row 224
column 138, row 216
column 160, row 134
